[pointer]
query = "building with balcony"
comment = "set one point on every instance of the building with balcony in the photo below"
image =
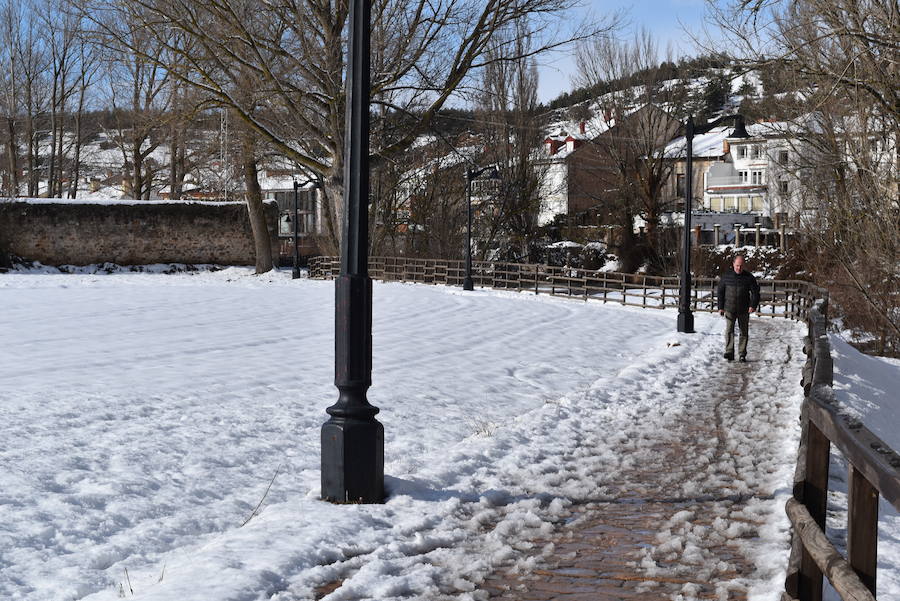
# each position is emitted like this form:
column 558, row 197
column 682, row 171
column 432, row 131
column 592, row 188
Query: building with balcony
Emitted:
column 750, row 172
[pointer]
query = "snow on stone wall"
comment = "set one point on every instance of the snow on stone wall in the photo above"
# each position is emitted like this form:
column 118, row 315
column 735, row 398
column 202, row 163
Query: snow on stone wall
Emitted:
column 132, row 233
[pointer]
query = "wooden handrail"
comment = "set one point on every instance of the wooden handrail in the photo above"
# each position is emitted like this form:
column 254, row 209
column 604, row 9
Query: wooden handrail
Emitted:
column 874, row 470
column 785, row 298
column 827, row 558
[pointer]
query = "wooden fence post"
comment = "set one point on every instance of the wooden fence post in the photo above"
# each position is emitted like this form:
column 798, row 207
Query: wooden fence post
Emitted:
column 774, row 294
column 862, row 528
column 814, row 490
column 644, row 298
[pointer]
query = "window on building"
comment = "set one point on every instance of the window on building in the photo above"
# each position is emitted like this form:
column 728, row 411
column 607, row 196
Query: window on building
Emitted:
column 742, row 175
column 741, row 151
column 731, row 203
column 783, row 187
column 756, row 204
column 743, row 204
column 754, row 151
column 715, row 203
column 679, row 185
column 756, row 178
column 783, row 157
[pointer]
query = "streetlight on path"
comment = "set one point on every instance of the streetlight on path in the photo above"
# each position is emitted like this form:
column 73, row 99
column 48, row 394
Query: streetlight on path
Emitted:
column 471, row 174
column 295, row 273
column 352, row 439
column 685, row 316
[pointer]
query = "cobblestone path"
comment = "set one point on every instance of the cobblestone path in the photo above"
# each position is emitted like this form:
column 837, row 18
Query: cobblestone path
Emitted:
column 683, row 521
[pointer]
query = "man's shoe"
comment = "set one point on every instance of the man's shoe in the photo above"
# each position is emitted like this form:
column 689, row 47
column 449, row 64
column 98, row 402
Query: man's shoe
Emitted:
column 743, row 359
column 729, row 356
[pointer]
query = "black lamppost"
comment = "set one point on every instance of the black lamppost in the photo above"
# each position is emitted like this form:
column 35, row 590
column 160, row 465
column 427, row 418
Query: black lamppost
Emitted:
column 685, row 316
column 352, row 439
column 472, row 173
column 296, row 272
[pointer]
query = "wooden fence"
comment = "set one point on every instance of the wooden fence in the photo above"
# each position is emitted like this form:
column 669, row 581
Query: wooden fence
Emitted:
column 873, row 471
column 874, row 467
column 780, row 298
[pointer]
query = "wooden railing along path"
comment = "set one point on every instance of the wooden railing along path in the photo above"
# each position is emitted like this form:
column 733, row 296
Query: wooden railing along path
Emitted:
column 874, row 467
column 780, row 298
column 874, row 470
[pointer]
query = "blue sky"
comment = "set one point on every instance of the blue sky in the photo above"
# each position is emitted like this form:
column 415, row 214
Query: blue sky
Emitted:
column 666, row 19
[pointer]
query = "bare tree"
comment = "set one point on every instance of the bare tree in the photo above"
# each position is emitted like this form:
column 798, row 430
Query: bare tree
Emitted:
column 62, row 43
column 10, row 14
column 438, row 218
column 292, row 52
column 508, row 113
column 87, row 67
column 634, row 122
column 843, row 59
column 140, row 95
column 31, row 59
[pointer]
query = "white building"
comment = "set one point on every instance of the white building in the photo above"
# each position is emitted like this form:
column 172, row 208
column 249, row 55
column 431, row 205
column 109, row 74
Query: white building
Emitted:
column 757, row 175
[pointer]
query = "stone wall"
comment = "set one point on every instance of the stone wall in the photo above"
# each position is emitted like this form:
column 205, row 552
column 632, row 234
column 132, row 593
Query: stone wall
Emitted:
column 130, row 233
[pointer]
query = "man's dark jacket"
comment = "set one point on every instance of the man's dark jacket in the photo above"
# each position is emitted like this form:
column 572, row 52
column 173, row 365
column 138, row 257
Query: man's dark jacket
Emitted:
column 738, row 292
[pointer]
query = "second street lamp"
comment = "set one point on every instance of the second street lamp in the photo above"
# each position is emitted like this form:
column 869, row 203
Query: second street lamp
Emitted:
column 296, row 272
column 472, row 173
column 685, row 316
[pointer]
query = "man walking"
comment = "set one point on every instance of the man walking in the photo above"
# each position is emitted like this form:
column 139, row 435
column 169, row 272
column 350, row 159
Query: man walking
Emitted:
column 738, row 296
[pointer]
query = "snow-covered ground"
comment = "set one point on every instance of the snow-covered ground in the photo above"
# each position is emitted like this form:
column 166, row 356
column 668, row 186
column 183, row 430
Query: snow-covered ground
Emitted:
column 147, row 415
column 867, row 387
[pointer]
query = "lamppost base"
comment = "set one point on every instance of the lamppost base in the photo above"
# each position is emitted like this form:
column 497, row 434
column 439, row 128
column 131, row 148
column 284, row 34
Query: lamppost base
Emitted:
column 352, row 461
column 295, row 274
column 468, row 284
column 686, row 322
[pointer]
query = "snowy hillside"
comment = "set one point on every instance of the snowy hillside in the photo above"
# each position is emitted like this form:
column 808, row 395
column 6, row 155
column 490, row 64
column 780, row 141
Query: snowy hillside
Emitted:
column 601, row 120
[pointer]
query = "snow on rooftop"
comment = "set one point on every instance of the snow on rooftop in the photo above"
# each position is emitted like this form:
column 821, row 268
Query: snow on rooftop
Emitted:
column 707, row 145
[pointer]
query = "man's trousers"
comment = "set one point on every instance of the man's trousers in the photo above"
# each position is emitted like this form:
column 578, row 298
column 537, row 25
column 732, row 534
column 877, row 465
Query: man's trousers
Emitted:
column 743, row 320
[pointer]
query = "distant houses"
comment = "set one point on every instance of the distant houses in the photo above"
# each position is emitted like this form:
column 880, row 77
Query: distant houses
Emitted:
column 744, row 178
column 583, row 171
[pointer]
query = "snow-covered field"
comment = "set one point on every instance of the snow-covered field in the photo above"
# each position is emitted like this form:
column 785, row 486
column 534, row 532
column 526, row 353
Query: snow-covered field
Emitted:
column 147, row 415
